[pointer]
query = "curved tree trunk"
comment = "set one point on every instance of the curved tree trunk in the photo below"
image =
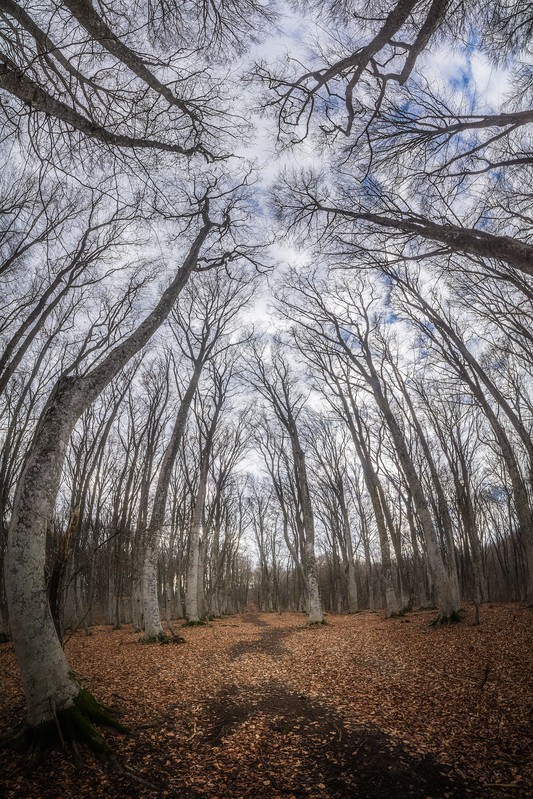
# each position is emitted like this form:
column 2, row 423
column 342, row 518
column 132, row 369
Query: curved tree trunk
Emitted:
column 49, row 685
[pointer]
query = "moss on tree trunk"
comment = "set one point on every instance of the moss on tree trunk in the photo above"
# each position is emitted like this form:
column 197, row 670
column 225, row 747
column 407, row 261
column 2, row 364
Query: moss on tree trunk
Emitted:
column 444, row 620
column 71, row 727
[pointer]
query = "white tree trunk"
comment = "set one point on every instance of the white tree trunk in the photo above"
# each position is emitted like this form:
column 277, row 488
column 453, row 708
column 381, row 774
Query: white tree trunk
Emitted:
column 314, row 605
column 46, row 676
column 153, row 629
column 45, row 672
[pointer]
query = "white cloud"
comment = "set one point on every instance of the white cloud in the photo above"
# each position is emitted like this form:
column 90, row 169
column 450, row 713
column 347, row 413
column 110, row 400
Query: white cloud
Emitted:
column 446, row 65
column 491, row 82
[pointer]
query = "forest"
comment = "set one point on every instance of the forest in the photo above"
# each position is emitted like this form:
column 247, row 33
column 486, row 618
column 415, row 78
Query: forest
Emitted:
column 266, row 349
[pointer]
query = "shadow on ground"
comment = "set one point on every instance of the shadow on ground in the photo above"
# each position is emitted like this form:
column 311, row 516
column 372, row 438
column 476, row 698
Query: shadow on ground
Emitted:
column 269, row 642
column 355, row 762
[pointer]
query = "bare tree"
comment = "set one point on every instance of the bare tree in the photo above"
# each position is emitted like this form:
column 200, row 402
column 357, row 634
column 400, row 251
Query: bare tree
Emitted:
column 86, row 70
column 53, row 690
column 204, row 323
column 396, row 37
column 349, row 330
column 329, row 447
column 271, row 442
column 475, row 377
column 224, row 517
column 274, row 380
column 221, row 373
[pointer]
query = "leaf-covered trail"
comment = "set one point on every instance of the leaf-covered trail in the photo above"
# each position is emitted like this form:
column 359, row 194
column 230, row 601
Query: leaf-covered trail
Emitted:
column 262, row 706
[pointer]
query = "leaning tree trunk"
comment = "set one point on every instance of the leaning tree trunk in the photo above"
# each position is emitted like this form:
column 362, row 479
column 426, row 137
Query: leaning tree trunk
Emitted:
column 442, row 505
column 52, row 692
column 371, row 481
column 48, row 683
column 447, row 603
column 522, row 507
column 471, row 376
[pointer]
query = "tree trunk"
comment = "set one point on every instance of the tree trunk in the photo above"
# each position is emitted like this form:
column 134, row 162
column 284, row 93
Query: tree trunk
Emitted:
column 192, row 610
column 47, row 679
column 311, row 571
column 153, row 630
column 446, row 601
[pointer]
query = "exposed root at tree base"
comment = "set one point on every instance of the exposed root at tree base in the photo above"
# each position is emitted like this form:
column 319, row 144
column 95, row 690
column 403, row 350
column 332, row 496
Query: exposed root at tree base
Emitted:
column 71, row 728
column 199, row 623
column 444, row 620
column 163, row 639
column 172, row 639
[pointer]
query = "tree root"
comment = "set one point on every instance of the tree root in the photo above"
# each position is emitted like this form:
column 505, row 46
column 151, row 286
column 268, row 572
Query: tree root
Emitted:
column 199, row 623
column 69, row 728
column 444, row 620
column 163, row 638
column 159, row 638
column 173, row 634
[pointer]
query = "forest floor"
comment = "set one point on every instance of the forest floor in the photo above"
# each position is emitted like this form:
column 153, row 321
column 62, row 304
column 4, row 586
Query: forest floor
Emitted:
column 262, row 706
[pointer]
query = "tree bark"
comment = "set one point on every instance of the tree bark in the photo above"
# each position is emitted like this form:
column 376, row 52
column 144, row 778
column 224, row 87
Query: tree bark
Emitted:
column 153, row 629
column 48, row 683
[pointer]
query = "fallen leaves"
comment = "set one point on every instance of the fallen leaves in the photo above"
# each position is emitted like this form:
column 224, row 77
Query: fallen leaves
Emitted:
column 264, row 707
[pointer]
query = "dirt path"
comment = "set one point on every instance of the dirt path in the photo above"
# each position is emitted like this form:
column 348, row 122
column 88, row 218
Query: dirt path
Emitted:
column 261, row 706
